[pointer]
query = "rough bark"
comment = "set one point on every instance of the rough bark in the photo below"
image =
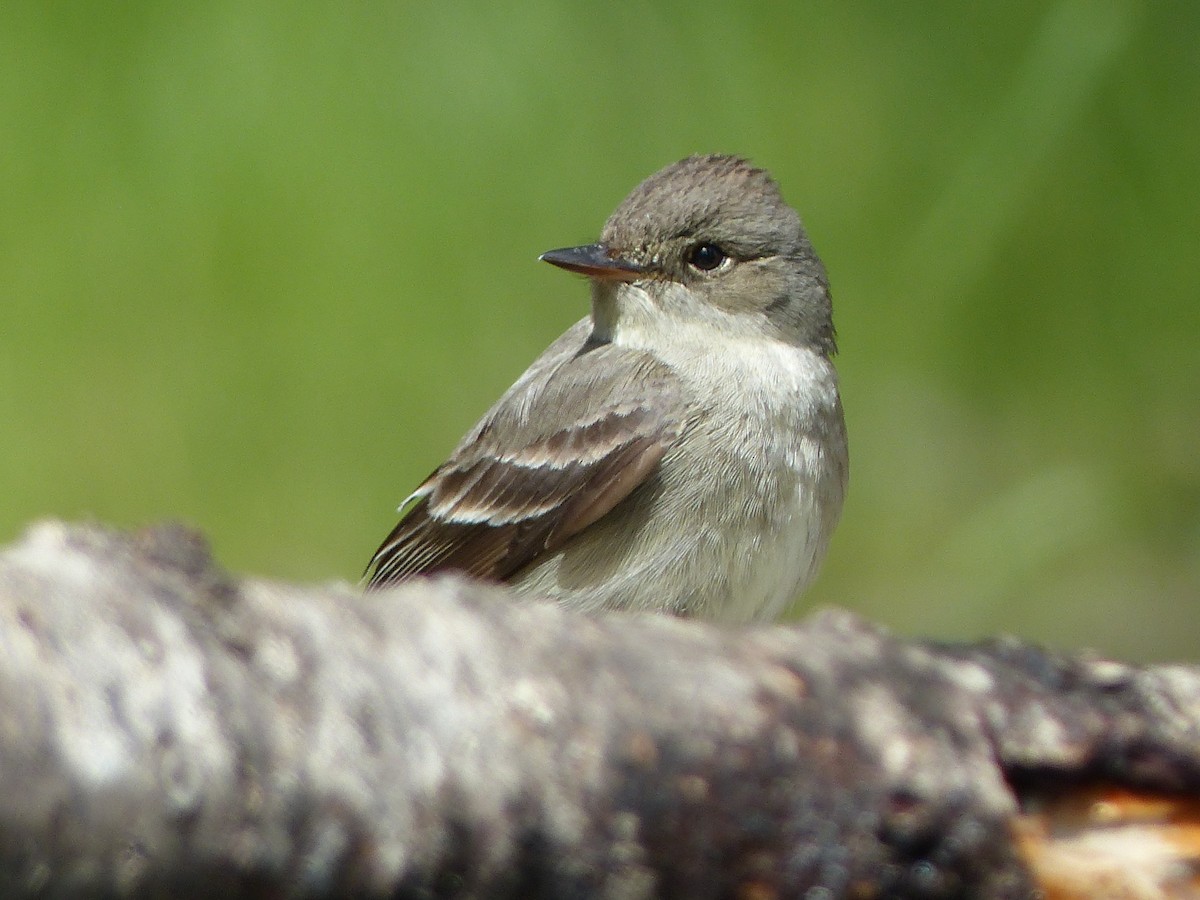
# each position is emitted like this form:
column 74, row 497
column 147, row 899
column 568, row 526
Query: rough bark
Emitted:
column 166, row 729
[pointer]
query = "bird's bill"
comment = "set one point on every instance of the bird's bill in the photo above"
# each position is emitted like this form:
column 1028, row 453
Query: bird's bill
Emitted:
column 594, row 261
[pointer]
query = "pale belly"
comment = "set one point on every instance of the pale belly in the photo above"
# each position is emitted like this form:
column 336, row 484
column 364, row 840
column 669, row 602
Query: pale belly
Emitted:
column 735, row 525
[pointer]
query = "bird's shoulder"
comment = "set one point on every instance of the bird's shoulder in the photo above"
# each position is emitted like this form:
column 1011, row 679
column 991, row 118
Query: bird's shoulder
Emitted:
column 577, row 382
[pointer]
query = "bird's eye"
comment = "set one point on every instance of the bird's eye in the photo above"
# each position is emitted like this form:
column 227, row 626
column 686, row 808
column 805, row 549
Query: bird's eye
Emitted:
column 706, row 257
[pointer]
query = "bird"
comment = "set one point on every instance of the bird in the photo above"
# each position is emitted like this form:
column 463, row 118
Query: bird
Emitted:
column 682, row 449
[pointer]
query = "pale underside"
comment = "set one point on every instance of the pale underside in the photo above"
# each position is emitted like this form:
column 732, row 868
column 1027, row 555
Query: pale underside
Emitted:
column 612, row 477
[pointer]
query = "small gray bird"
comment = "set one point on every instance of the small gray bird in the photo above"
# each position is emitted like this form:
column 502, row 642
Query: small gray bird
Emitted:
column 680, row 450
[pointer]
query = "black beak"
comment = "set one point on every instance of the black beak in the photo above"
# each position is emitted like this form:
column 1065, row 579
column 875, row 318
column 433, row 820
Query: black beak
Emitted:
column 594, row 261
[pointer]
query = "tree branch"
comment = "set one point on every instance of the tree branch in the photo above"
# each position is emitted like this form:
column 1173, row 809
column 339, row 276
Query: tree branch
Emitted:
column 167, row 729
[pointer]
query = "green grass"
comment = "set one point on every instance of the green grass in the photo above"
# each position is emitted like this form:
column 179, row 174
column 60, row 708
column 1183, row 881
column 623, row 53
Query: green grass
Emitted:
column 261, row 266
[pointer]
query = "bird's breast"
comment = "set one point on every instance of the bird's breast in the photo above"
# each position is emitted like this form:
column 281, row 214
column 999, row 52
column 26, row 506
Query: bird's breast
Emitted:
column 760, row 472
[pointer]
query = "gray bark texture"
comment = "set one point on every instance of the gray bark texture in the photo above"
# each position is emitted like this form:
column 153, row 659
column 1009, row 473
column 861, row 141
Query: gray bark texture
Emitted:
column 169, row 730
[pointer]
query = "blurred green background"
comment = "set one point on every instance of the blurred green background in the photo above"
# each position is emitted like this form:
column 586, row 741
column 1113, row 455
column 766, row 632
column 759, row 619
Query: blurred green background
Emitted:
column 262, row 264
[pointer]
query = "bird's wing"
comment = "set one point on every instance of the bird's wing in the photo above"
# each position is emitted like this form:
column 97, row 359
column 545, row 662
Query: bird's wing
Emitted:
column 577, row 433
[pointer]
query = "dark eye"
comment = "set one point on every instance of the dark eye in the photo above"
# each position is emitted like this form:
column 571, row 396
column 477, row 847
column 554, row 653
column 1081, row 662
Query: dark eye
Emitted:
column 706, row 257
